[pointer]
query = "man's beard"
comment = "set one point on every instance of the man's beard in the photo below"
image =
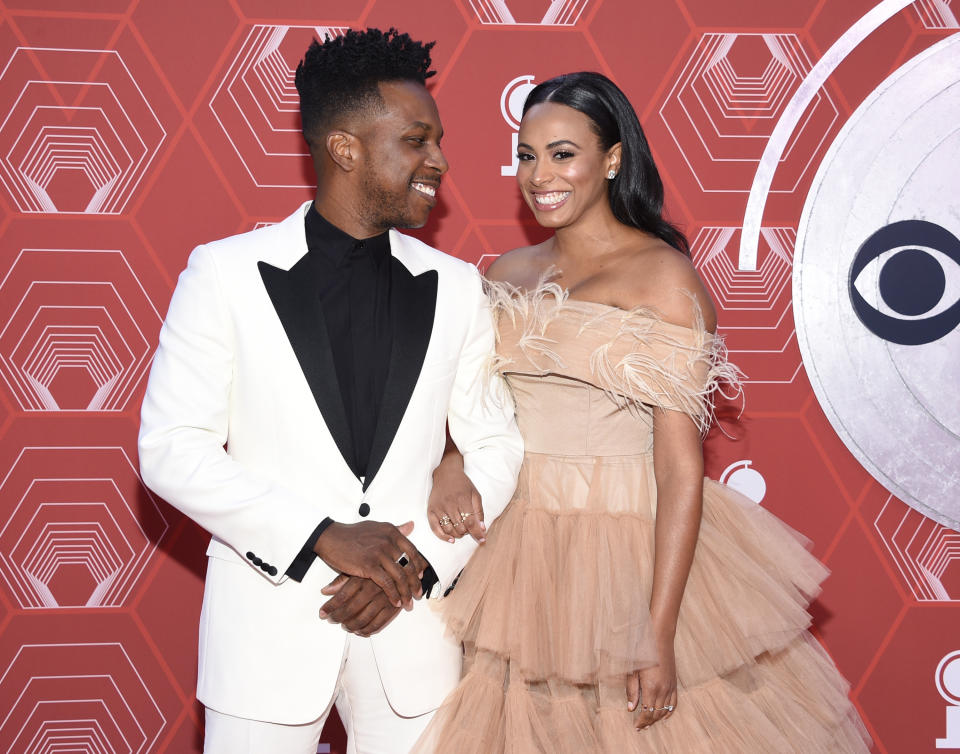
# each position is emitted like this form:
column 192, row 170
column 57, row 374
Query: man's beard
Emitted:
column 385, row 209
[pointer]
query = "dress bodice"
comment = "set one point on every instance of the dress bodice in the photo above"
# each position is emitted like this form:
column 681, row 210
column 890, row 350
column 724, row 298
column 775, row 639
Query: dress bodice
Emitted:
column 583, row 373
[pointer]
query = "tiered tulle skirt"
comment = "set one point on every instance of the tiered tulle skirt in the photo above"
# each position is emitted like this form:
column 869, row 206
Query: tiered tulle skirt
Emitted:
column 552, row 612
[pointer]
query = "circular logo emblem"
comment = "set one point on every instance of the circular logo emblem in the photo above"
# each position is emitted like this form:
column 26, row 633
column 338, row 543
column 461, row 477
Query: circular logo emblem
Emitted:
column 948, row 678
column 512, row 98
column 745, row 480
column 876, row 283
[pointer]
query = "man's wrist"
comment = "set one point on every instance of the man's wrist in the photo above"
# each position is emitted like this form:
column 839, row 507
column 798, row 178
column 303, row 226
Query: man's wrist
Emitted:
column 321, row 528
column 308, row 553
column 429, row 580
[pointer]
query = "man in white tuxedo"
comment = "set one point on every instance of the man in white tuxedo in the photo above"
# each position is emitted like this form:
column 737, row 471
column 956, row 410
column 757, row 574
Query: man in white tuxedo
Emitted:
column 296, row 409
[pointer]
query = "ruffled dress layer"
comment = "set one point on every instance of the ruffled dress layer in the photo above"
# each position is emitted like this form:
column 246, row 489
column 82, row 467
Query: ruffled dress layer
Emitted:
column 553, row 609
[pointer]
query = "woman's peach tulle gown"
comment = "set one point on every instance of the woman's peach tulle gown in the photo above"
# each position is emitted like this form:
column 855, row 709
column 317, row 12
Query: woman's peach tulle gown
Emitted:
column 553, row 609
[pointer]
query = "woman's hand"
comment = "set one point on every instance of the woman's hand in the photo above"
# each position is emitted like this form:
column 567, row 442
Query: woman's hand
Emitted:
column 454, row 507
column 652, row 692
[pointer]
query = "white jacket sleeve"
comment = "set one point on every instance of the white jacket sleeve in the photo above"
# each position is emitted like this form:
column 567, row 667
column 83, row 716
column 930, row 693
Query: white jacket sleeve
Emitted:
column 183, row 428
column 482, row 424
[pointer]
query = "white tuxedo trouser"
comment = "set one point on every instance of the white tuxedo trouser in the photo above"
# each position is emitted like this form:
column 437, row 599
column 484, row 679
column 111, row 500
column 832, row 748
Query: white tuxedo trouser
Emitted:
column 371, row 724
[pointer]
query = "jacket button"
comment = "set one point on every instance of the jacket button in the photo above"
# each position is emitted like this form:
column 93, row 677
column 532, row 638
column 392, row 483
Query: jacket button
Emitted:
column 257, row 561
column 250, row 556
column 364, row 509
column 272, row 570
column 264, row 566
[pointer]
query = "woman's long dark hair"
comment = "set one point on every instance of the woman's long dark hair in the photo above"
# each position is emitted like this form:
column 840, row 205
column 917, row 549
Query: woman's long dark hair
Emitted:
column 636, row 193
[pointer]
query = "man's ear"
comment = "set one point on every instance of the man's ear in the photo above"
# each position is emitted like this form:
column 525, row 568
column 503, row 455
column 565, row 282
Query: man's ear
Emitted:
column 344, row 149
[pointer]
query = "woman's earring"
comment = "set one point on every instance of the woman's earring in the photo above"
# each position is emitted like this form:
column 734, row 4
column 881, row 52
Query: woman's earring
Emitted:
column 611, row 174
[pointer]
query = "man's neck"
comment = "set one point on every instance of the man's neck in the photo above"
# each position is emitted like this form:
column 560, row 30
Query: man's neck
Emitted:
column 341, row 213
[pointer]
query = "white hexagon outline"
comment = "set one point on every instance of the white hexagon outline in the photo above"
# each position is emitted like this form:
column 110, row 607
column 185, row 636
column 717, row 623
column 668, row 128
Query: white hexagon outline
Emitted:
column 114, row 590
column 479, row 261
column 122, row 389
column 46, row 350
column 936, row 14
column 132, row 177
column 49, row 563
column 773, row 278
column 262, row 41
column 558, row 13
column 93, row 725
column 690, row 72
column 921, row 567
column 148, row 743
column 779, row 247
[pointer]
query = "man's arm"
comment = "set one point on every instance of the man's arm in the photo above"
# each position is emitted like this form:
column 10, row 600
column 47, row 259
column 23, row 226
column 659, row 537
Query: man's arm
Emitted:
column 183, row 428
column 184, row 422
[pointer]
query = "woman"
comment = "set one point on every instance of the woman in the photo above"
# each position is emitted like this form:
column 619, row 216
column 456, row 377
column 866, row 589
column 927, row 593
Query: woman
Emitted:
column 620, row 591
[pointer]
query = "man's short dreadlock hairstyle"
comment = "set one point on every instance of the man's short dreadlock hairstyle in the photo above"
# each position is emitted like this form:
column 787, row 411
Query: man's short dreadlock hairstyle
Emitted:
column 340, row 76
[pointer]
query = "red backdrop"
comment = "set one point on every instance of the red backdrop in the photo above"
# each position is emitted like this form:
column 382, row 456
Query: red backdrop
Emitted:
column 134, row 129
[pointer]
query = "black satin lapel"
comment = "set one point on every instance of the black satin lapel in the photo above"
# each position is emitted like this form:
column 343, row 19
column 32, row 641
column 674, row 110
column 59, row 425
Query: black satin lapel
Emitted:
column 413, row 301
column 298, row 307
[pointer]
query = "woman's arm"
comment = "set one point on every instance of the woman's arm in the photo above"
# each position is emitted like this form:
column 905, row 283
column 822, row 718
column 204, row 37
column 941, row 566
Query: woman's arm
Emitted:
column 454, row 507
column 453, row 495
column 678, row 467
column 674, row 289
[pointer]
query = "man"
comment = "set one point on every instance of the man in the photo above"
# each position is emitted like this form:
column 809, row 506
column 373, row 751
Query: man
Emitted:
column 296, row 408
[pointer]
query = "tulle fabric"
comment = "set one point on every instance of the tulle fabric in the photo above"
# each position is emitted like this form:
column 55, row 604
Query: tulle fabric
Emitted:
column 768, row 707
column 552, row 614
column 552, row 610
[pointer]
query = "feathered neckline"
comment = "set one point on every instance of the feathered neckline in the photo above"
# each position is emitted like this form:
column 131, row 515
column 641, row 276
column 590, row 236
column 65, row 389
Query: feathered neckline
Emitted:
column 547, row 299
column 638, row 373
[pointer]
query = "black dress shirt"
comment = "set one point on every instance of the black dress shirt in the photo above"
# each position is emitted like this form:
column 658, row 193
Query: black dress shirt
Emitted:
column 353, row 283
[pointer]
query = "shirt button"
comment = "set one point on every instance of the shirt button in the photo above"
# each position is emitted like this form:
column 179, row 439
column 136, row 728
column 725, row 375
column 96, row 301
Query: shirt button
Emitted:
column 364, row 510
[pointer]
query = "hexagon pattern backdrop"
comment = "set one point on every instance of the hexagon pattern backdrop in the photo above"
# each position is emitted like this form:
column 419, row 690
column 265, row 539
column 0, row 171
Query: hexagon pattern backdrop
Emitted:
column 133, row 130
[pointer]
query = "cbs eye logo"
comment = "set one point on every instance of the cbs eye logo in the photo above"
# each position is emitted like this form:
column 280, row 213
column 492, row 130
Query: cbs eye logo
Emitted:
column 905, row 282
column 876, row 283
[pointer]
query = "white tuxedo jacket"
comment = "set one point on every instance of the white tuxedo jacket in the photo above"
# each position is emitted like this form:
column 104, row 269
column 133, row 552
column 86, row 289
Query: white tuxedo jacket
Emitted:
column 242, row 428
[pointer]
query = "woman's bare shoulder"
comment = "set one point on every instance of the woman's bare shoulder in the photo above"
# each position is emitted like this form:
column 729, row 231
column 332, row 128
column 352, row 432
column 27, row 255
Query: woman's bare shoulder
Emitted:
column 658, row 276
column 518, row 266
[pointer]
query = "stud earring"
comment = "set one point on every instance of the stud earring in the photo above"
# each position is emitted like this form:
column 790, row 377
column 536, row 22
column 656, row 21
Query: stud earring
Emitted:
column 611, row 174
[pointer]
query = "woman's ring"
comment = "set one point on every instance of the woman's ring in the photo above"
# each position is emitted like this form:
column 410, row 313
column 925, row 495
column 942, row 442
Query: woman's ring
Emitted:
column 445, row 520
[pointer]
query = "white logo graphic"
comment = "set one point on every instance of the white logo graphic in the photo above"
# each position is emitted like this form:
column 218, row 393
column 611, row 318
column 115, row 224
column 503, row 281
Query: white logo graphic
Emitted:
column 745, row 480
column 876, row 285
column 559, row 13
column 512, row 98
column 948, row 684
